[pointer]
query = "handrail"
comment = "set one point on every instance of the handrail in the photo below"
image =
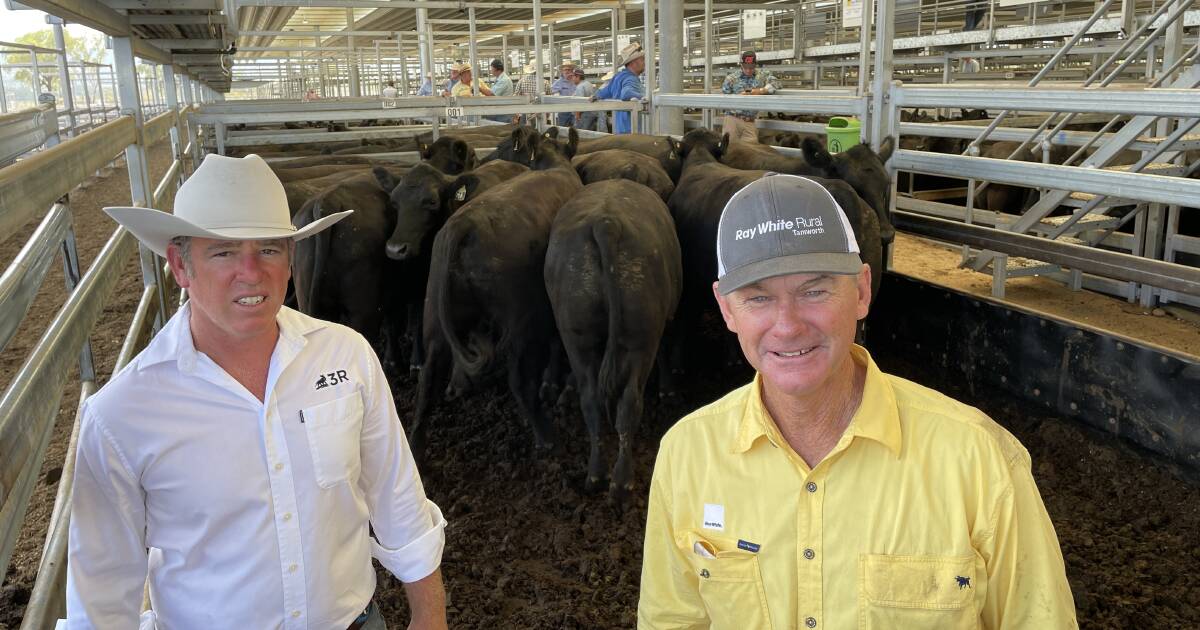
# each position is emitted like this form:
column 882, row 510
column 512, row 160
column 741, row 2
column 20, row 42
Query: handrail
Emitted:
column 30, row 186
column 24, row 276
column 29, row 405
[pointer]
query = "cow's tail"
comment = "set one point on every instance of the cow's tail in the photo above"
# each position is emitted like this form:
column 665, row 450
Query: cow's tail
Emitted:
column 472, row 353
column 306, row 296
column 607, row 233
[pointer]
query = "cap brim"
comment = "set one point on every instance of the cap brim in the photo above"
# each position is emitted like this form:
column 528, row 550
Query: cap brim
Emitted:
column 155, row 228
column 841, row 263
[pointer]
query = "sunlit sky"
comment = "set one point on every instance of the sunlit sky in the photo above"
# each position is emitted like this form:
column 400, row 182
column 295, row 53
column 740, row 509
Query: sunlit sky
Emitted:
column 13, row 24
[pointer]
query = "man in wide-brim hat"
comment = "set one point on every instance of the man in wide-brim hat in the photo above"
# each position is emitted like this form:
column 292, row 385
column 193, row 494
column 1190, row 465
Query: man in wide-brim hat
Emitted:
column 241, row 462
column 625, row 85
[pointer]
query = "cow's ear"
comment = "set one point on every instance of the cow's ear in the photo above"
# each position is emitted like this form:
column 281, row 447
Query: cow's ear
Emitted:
column 816, row 154
column 552, row 133
column 463, row 151
column 460, row 189
column 423, row 148
column 676, row 147
column 724, row 144
column 385, row 179
column 516, row 139
column 572, row 142
column 886, row 148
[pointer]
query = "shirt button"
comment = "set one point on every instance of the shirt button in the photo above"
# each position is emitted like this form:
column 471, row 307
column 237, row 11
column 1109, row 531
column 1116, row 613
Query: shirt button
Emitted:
column 810, row 622
column 292, row 569
column 287, row 517
column 811, row 487
column 278, row 467
column 296, row 613
column 809, row 554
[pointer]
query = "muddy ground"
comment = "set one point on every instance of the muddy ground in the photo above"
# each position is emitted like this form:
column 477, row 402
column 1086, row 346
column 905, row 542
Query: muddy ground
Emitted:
column 527, row 549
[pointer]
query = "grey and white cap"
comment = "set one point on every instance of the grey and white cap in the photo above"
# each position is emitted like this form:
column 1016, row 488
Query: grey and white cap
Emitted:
column 781, row 225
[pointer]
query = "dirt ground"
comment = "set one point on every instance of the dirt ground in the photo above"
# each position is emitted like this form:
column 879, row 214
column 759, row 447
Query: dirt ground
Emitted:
column 527, row 549
column 938, row 263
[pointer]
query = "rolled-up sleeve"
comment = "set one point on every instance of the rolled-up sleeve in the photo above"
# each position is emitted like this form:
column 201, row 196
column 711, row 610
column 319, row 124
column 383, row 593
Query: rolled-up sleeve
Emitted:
column 106, row 550
column 409, row 528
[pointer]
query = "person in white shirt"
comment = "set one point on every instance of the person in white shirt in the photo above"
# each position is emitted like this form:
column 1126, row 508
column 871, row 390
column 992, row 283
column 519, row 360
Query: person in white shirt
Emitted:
column 241, row 463
column 390, row 91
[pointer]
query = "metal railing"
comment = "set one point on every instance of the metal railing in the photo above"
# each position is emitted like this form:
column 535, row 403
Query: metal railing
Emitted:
column 29, row 406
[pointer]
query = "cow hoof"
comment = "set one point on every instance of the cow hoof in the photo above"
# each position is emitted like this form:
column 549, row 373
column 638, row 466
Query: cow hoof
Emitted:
column 620, row 493
column 593, row 485
column 548, row 393
column 414, row 368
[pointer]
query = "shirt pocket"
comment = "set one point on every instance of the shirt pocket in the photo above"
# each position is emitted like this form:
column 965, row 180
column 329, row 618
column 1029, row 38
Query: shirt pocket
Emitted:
column 917, row 592
column 333, row 430
column 730, row 582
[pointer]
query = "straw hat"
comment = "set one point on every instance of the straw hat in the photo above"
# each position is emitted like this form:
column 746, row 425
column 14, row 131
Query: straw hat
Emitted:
column 567, row 63
column 607, row 76
column 226, row 199
column 631, row 52
column 461, row 67
column 528, row 69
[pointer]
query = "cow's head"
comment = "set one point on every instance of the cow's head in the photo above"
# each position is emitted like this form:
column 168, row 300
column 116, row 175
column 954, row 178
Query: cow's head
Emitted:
column 516, row 146
column 549, row 152
column 864, row 170
column 672, row 162
column 423, row 199
column 705, row 139
column 449, row 155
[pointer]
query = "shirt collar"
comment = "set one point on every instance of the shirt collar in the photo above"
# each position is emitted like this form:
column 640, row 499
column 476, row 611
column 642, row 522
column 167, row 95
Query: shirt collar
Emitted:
column 876, row 418
column 174, row 341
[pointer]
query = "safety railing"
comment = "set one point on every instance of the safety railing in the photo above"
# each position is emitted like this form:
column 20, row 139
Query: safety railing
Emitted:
column 29, row 406
column 26, row 130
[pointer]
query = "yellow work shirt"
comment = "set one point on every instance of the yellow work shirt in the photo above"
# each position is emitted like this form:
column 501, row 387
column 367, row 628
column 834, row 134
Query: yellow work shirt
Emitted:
column 924, row 515
column 461, row 89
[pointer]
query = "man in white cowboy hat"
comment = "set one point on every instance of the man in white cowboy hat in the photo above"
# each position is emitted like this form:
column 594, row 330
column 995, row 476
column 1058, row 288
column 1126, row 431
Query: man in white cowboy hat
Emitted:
column 625, row 85
column 530, row 85
column 564, row 85
column 249, row 463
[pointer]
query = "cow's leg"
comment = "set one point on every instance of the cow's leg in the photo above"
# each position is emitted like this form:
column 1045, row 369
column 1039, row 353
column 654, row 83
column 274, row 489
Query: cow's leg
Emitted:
column 435, row 373
column 555, row 374
column 414, row 328
column 586, row 358
column 628, row 415
column 526, row 362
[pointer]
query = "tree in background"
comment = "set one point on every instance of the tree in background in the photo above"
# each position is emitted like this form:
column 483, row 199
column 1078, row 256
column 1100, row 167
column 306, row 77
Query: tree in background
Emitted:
column 85, row 48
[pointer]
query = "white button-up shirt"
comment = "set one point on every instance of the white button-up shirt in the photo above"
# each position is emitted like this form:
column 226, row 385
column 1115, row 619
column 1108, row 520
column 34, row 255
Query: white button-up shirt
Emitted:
column 245, row 514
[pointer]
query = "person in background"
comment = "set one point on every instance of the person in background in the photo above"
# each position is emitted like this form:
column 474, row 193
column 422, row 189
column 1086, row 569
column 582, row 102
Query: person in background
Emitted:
column 426, row 88
column 587, row 120
column 449, row 85
column 565, row 86
column 390, row 91
column 501, row 86
column 827, row 493
column 625, row 85
column 750, row 79
column 531, row 86
column 465, row 83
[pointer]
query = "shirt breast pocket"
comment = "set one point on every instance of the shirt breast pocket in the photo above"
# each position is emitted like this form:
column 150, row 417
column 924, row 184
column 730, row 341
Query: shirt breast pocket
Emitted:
column 333, row 430
column 917, row 592
column 730, row 582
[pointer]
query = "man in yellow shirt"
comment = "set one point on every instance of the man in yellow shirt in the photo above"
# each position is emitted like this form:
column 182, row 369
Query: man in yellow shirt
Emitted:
column 463, row 87
column 827, row 494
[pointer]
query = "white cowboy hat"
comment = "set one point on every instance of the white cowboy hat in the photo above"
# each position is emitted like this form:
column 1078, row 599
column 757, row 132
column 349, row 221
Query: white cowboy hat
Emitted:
column 528, row 69
column 226, row 199
column 607, row 76
column 631, row 52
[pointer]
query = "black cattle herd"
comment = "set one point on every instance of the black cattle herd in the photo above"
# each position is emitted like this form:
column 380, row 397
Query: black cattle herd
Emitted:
column 550, row 260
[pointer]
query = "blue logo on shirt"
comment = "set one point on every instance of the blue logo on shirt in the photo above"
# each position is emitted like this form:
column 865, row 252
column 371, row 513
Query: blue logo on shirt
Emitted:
column 747, row 546
column 963, row 582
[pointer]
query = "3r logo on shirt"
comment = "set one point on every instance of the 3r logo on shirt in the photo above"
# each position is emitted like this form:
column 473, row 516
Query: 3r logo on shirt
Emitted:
column 332, row 378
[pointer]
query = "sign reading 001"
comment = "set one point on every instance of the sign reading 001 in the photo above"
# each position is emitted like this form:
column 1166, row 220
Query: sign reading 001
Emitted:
column 454, row 112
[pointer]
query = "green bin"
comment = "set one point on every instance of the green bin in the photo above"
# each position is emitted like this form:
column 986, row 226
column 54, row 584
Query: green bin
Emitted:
column 842, row 133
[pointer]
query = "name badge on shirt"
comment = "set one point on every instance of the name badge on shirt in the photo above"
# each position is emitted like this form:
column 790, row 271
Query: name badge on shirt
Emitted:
column 714, row 517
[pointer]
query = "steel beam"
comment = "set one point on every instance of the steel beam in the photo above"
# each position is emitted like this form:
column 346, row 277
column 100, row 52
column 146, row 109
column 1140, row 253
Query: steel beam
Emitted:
column 816, row 104
column 1152, row 188
column 1150, row 102
column 1100, row 262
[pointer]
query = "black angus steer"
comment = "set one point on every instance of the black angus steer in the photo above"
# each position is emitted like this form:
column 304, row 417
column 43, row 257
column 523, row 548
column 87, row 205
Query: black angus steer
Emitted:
column 486, row 297
column 704, row 188
column 613, row 274
column 420, row 202
column 449, row 155
column 665, row 149
column 517, row 146
column 858, row 166
column 624, row 164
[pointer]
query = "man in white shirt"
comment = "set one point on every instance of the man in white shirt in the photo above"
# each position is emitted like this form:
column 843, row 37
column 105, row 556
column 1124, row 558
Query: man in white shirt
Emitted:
column 390, row 91
column 242, row 461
